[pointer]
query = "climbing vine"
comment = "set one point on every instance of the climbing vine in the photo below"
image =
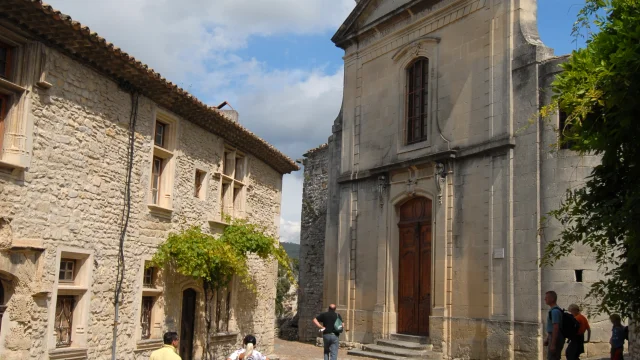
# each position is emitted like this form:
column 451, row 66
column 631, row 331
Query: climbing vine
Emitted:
column 216, row 260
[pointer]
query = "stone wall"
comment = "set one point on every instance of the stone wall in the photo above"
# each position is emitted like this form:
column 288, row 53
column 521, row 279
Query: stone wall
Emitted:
column 312, row 233
column 485, row 164
column 72, row 196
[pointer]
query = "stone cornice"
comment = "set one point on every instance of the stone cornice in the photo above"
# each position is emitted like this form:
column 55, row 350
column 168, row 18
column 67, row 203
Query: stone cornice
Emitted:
column 495, row 145
column 439, row 16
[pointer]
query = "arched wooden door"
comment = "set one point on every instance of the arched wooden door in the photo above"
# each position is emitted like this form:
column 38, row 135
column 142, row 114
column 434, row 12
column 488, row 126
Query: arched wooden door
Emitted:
column 187, row 327
column 414, row 280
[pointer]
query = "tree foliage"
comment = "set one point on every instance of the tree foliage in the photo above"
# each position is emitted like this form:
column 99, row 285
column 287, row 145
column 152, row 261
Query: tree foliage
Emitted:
column 599, row 90
column 216, row 260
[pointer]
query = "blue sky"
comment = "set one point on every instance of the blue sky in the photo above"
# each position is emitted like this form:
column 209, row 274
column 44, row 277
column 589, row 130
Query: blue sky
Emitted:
column 272, row 60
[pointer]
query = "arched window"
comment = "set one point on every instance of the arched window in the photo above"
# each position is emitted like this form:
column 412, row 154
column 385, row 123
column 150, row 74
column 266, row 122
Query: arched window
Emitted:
column 417, row 100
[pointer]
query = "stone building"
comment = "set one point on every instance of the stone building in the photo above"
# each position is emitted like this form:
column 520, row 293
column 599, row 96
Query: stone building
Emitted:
column 82, row 126
column 312, row 229
column 439, row 172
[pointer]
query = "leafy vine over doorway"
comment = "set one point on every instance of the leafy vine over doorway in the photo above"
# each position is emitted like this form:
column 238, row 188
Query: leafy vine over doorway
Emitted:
column 216, row 260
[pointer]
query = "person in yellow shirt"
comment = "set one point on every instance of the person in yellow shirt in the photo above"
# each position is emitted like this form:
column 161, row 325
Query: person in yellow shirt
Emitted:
column 169, row 350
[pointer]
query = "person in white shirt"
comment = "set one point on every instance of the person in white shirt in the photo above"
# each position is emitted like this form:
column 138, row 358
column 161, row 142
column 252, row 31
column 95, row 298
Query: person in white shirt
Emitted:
column 248, row 352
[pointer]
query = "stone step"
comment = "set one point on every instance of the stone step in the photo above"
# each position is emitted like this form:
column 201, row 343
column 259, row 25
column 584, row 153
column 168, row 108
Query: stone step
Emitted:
column 389, row 350
column 410, row 338
column 409, row 345
column 373, row 355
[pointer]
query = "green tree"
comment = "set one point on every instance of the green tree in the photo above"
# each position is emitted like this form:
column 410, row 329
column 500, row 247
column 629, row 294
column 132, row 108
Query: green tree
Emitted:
column 599, row 90
column 215, row 261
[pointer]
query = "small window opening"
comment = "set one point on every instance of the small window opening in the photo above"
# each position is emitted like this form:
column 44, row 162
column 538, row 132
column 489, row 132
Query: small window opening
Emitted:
column 5, row 60
column 578, row 275
column 148, row 277
column 67, row 270
column 199, row 181
column 161, row 131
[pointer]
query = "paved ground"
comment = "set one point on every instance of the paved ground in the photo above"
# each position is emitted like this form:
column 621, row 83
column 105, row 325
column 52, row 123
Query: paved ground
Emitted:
column 290, row 350
column 293, row 350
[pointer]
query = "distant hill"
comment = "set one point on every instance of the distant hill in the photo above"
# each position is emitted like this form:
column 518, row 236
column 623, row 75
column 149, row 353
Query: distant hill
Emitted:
column 292, row 249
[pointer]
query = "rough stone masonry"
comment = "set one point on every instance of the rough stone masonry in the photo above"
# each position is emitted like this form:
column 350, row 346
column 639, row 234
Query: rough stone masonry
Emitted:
column 60, row 214
column 314, row 210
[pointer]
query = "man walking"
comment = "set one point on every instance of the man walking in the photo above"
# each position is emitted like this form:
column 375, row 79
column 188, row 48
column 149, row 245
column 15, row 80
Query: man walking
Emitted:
column 330, row 335
column 576, row 345
column 169, row 350
column 555, row 340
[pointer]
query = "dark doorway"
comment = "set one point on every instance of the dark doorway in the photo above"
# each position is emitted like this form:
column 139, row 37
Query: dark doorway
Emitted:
column 187, row 325
column 414, row 285
column 3, row 307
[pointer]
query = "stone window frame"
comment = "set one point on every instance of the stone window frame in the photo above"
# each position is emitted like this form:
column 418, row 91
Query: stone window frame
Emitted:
column 222, row 306
column 163, row 204
column 411, row 88
column 80, row 289
column 233, row 177
column 156, row 292
column 200, row 190
column 405, row 56
column 27, row 71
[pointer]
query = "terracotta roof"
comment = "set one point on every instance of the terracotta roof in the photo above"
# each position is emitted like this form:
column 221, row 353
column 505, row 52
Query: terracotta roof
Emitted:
column 76, row 40
column 314, row 150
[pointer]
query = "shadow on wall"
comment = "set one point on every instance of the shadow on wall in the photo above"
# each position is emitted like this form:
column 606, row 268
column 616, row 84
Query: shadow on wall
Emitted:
column 479, row 342
column 245, row 310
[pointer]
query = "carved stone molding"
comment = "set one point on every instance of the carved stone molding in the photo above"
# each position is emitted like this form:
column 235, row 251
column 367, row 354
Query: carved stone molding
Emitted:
column 414, row 47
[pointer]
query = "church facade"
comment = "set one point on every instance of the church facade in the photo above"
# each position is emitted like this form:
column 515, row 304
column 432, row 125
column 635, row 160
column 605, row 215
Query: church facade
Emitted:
column 439, row 173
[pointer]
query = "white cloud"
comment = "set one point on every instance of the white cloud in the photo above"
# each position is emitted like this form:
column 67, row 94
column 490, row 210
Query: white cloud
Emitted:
column 294, row 109
column 195, row 43
column 177, row 38
column 289, row 231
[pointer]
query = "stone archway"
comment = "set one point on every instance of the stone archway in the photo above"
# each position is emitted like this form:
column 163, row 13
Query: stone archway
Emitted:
column 414, row 278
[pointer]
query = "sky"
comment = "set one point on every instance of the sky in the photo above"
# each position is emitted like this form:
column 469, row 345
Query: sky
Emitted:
column 272, row 60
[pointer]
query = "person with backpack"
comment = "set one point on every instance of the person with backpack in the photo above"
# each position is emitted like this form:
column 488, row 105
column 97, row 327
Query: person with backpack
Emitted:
column 330, row 324
column 576, row 344
column 555, row 339
column 619, row 334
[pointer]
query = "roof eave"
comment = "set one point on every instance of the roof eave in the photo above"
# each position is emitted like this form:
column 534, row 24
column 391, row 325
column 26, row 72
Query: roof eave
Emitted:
column 59, row 31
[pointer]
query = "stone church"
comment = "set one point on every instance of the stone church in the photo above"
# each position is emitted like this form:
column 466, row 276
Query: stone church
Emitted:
column 83, row 124
column 422, row 214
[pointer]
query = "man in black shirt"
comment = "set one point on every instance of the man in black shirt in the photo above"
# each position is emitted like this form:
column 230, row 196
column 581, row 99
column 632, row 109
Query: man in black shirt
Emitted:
column 329, row 334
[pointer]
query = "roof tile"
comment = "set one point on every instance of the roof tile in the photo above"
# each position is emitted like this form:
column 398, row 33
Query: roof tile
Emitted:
column 36, row 15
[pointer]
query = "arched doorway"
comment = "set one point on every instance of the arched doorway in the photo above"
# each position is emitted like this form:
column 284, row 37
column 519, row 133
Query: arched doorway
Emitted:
column 187, row 326
column 414, row 278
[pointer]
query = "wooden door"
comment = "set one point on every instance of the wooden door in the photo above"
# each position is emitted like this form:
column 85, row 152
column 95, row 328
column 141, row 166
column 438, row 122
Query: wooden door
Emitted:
column 187, row 324
column 414, row 285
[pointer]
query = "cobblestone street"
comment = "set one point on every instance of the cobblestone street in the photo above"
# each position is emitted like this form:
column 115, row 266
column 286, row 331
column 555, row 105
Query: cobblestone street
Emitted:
column 289, row 350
